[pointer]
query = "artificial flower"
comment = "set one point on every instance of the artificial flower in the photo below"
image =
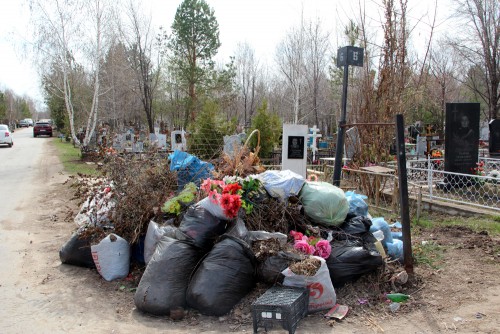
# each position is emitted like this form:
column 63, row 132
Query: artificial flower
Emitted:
column 323, row 249
column 304, row 247
column 296, row 235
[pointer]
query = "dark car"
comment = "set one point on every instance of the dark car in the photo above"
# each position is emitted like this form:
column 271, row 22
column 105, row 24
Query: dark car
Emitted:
column 42, row 128
column 23, row 124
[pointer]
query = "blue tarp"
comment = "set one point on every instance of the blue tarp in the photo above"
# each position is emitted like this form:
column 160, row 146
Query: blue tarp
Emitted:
column 189, row 168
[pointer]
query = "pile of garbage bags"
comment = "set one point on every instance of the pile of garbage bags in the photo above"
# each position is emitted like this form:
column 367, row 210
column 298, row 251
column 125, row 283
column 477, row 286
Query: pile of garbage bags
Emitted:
column 208, row 263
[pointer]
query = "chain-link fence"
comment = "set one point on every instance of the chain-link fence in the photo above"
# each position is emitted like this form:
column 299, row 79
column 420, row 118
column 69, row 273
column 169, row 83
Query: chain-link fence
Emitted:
column 481, row 190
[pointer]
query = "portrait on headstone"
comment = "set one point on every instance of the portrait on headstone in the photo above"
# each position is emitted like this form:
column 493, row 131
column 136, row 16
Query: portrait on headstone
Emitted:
column 295, row 147
column 178, row 138
column 463, row 134
column 461, row 137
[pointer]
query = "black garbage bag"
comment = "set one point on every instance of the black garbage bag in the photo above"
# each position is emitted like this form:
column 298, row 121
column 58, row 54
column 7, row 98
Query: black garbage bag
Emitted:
column 269, row 271
column 201, row 226
column 76, row 251
column 356, row 225
column 352, row 258
column 165, row 280
column 225, row 276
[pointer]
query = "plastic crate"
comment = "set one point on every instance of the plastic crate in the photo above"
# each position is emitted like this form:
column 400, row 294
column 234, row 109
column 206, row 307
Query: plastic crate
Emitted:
column 282, row 305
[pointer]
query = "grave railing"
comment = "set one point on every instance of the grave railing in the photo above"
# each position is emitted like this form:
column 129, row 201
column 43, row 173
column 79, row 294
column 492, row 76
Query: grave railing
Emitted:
column 481, row 191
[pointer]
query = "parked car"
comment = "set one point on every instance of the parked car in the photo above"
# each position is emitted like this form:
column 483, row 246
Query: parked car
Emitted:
column 23, row 124
column 30, row 121
column 6, row 136
column 42, row 128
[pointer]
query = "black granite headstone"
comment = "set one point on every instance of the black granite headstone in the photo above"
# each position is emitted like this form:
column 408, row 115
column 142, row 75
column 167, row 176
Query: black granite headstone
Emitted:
column 494, row 142
column 296, row 147
column 461, row 140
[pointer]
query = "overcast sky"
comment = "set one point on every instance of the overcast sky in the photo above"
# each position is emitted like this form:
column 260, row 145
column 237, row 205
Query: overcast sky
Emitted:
column 260, row 23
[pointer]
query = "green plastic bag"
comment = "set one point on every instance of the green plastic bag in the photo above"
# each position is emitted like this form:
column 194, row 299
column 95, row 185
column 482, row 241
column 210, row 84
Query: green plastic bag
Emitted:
column 324, row 203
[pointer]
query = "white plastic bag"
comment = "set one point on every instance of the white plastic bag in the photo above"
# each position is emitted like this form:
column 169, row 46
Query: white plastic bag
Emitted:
column 112, row 257
column 213, row 208
column 321, row 292
column 153, row 236
column 281, row 184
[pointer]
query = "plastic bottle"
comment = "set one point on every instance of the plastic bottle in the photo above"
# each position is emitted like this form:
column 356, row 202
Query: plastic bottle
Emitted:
column 397, row 297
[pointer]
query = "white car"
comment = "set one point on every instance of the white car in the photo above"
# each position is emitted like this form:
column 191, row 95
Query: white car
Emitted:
column 6, row 135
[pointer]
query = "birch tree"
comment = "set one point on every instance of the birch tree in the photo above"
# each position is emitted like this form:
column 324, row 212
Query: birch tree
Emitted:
column 145, row 58
column 316, row 48
column 290, row 60
column 68, row 33
column 247, row 67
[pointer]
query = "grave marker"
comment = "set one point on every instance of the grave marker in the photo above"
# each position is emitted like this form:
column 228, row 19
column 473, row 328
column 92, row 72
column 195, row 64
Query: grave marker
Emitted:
column 494, row 141
column 178, row 140
column 162, row 141
column 314, row 135
column 352, row 142
column 461, row 140
column 294, row 149
column 232, row 143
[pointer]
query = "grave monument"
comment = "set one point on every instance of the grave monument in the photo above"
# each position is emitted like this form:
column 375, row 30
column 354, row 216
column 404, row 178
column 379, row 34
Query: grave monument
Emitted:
column 294, row 148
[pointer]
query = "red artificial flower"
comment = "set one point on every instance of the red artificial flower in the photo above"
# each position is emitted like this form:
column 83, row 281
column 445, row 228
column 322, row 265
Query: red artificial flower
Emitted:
column 225, row 201
column 231, row 188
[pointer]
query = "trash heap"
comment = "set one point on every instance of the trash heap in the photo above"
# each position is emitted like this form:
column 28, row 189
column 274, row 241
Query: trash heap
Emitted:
column 215, row 239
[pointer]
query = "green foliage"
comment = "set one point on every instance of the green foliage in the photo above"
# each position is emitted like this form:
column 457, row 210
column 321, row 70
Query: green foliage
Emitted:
column 58, row 113
column 175, row 204
column 195, row 41
column 270, row 128
column 24, row 109
column 207, row 132
column 3, row 106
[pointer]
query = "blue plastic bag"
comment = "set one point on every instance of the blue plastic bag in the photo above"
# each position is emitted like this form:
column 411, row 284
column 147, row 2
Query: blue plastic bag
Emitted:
column 397, row 235
column 379, row 223
column 395, row 249
column 357, row 204
column 189, row 168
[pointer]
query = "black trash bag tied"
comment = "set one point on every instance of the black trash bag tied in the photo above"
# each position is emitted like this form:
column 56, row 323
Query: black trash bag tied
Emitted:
column 165, row 280
column 202, row 227
column 223, row 278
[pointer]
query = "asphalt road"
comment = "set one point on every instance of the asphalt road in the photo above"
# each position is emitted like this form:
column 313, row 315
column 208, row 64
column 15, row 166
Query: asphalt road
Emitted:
column 18, row 166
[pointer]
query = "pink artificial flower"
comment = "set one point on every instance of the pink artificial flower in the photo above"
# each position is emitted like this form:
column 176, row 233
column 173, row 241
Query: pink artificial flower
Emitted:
column 206, row 185
column 296, row 235
column 304, row 247
column 214, row 196
column 323, row 249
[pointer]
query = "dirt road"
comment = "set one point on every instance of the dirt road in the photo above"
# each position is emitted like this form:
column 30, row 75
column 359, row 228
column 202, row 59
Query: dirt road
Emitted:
column 41, row 295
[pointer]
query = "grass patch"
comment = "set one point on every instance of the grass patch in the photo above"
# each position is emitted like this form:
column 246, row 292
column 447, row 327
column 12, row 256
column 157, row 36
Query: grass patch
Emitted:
column 428, row 253
column 489, row 224
column 71, row 159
